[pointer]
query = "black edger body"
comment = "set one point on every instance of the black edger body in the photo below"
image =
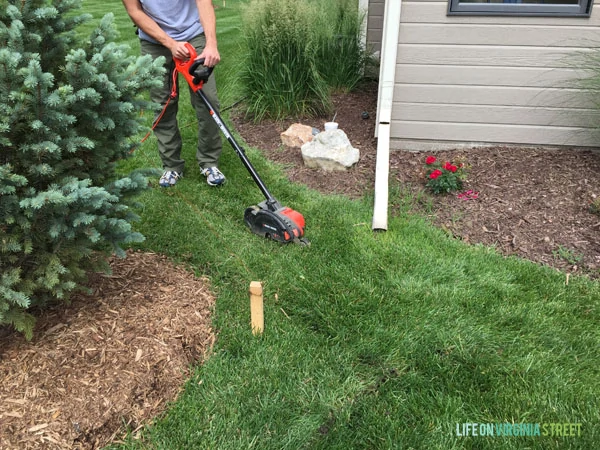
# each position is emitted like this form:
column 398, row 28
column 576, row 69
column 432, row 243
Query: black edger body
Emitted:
column 269, row 218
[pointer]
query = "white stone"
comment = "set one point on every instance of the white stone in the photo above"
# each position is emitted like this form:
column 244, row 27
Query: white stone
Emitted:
column 330, row 150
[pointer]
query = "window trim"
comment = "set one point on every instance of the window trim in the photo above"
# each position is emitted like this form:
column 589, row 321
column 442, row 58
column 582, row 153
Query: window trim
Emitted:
column 583, row 9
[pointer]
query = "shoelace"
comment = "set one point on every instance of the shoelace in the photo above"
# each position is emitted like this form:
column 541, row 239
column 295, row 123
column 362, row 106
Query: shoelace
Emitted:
column 214, row 172
column 170, row 174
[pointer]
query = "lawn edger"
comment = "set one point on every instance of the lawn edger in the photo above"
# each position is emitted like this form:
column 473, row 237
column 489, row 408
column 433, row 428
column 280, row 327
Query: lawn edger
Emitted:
column 269, row 218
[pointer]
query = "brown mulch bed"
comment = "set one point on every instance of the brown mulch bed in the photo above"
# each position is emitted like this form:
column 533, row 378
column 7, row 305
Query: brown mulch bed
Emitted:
column 532, row 202
column 109, row 360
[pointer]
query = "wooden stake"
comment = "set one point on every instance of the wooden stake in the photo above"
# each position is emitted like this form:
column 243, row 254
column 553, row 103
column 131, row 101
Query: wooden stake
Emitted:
column 256, row 307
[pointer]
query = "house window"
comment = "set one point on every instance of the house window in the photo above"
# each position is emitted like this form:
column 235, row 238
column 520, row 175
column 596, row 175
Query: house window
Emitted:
column 581, row 8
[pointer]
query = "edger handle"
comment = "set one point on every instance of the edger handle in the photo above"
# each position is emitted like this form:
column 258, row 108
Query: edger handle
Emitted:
column 194, row 70
column 196, row 74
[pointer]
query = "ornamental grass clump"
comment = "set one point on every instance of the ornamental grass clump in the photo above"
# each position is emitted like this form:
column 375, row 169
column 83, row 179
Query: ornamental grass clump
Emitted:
column 279, row 74
column 443, row 178
column 297, row 53
column 340, row 55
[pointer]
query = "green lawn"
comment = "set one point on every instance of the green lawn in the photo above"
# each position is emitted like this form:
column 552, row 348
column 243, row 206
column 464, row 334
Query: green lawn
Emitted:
column 371, row 341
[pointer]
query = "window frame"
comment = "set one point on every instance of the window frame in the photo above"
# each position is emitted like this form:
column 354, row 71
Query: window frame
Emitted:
column 582, row 9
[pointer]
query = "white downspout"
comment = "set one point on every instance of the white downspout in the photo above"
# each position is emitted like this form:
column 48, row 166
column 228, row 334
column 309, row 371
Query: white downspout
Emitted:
column 363, row 8
column 387, row 75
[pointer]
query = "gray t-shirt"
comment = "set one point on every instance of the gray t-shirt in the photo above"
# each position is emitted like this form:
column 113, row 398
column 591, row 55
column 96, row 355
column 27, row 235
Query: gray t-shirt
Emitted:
column 178, row 18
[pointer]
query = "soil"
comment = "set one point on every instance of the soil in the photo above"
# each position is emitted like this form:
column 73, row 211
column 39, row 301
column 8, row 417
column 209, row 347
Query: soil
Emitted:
column 113, row 359
column 535, row 203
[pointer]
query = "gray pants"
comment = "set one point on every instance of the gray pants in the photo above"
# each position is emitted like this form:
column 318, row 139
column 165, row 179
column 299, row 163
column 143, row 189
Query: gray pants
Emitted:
column 167, row 130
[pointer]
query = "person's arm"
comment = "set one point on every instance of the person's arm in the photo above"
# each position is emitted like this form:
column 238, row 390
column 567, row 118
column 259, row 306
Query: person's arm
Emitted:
column 151, row 28
column 209, row 23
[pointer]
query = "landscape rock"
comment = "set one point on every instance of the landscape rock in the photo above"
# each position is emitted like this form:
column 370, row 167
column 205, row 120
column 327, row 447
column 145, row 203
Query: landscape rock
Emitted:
column 330, row 150
column 297, row 135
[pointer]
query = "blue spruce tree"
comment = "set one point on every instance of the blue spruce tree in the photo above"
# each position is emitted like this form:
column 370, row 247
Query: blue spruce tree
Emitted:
column 69, row 111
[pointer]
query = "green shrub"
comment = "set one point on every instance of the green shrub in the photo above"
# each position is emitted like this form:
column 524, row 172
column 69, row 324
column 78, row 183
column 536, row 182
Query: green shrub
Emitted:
column 296, row 53
column 67, row 113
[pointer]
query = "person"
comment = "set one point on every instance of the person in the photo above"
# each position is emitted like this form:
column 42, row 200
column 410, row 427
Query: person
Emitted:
column 164, row 27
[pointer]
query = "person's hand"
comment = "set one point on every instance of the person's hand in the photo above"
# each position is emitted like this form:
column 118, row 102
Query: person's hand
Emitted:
column 179, row 50
column 211, row 56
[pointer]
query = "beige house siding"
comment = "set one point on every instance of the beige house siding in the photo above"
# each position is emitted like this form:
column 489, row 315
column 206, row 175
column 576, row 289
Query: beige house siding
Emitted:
column 375, row 24
column 471, row 80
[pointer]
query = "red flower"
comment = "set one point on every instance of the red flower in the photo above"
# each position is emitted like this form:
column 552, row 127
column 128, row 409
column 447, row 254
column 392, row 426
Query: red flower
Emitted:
column 436, row 173
column 430, row 160
column 450, row 167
